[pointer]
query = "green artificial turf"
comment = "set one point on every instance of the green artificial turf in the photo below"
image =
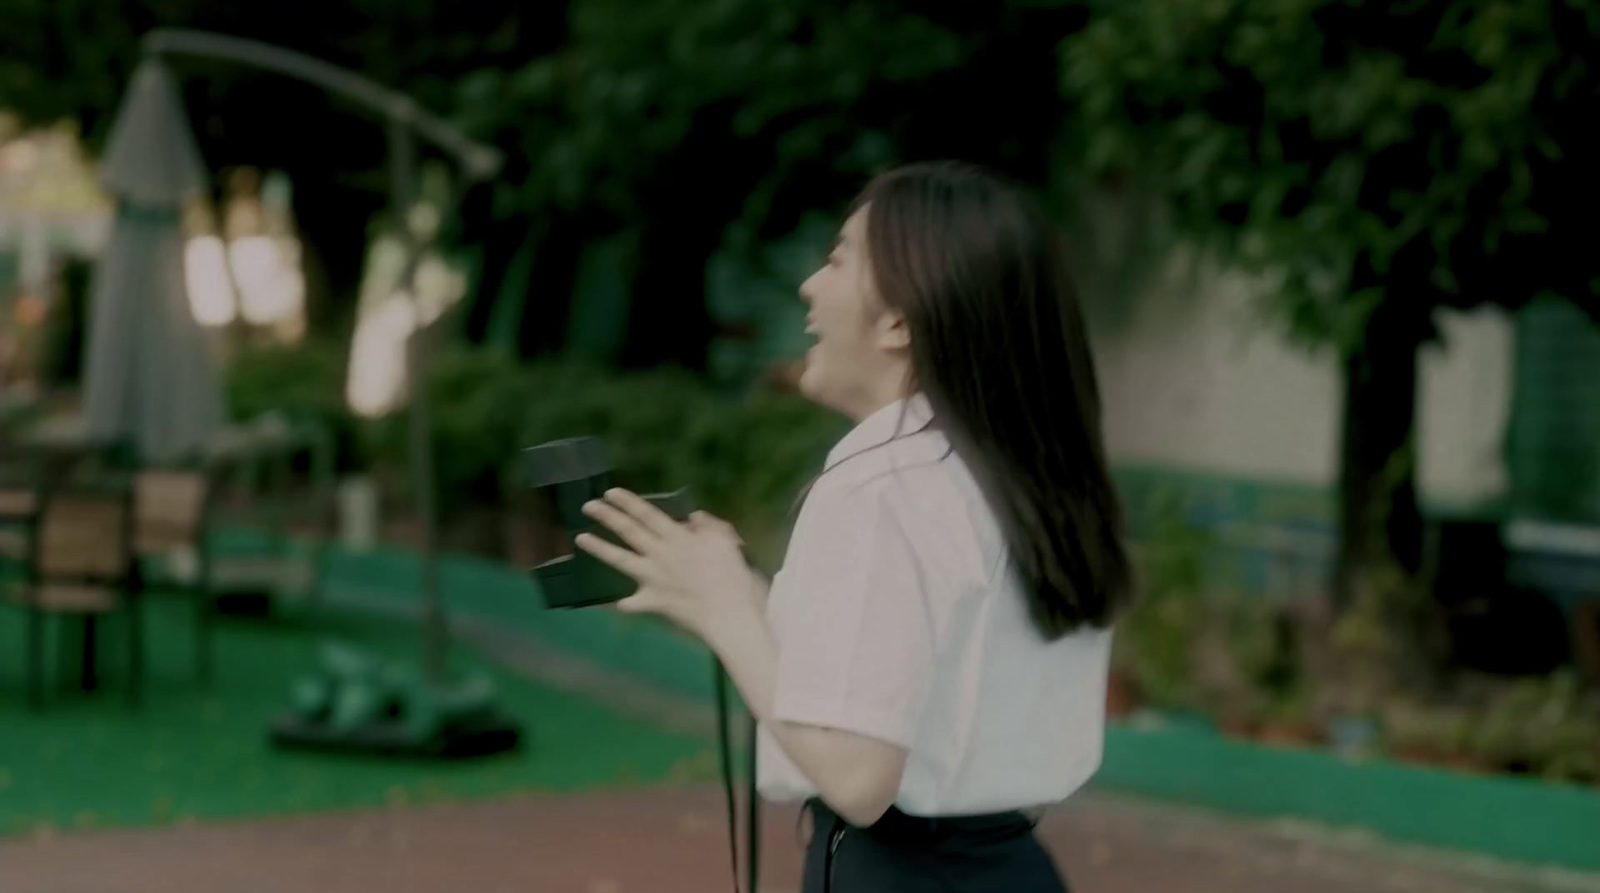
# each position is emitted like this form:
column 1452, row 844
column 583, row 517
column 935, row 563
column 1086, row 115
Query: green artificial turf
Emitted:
column 90, row 760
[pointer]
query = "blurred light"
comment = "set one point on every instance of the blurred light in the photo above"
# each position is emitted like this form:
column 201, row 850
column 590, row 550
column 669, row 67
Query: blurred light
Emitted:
column 381, row 278
column 31, row 309
column 388, row 314
column 251, row 271
column 241, row 208
column 377, row 380
column 205, row 273
column 438, row 287
column 267, row 271
column 19, row 156
column 424, row 220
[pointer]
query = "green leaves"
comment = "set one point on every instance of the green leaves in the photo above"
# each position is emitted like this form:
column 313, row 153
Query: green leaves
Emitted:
column 1323, row 137
column 605, row 115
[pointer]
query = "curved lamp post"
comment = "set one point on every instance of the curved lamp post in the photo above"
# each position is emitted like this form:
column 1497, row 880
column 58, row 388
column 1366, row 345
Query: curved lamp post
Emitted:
column 406, row 123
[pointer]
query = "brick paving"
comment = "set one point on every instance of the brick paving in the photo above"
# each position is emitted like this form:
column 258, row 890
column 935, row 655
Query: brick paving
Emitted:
column 672, row 840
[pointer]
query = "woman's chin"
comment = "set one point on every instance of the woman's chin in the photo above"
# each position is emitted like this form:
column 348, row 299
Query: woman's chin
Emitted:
column 808, row 382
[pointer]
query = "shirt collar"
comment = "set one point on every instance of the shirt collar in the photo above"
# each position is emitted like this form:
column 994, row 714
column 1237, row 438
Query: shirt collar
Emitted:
column 883, row 426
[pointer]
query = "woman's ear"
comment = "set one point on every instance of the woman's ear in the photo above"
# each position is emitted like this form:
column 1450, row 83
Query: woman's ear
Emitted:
column 894, row 334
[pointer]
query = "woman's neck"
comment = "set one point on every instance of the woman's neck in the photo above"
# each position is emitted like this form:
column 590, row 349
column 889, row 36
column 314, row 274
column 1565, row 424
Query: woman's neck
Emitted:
column 887, row 392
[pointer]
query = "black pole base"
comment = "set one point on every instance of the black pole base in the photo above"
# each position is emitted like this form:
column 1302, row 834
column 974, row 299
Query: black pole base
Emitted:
column 480, row 737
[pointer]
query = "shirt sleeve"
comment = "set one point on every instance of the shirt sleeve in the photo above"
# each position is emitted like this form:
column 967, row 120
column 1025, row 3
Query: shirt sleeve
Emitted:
column 855, row 645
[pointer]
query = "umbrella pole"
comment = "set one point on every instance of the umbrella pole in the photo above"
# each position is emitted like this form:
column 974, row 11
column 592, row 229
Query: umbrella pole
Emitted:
column 441, row 720
column 433, row 619
column 402, row 173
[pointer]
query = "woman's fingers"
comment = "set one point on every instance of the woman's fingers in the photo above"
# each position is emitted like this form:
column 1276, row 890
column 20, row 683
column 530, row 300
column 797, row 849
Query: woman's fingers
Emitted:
column 643, row 602
column 621, row 523
column 630, row 563
column 640, row 510
column 705, row 522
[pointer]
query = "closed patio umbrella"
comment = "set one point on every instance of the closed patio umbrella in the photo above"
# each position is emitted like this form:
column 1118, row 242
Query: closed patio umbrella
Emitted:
column 150, row 380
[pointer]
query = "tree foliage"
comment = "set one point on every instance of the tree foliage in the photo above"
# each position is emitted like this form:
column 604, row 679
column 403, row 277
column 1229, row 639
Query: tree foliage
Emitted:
column 1383, row 159
column 676, row 121
column 599, row 118
column 669, row 123
column 73, row 58
column 1435, row 152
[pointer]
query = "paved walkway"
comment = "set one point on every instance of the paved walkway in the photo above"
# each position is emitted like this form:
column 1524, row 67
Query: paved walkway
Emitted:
column 672, row 840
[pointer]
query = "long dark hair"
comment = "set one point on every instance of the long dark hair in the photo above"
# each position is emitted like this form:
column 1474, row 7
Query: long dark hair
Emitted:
column 1000, row 350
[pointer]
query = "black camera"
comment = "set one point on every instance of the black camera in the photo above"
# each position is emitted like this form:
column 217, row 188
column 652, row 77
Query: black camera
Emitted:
column 574, row 471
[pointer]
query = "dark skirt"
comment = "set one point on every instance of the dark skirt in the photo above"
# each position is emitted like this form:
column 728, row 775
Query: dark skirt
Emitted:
column 996, row 853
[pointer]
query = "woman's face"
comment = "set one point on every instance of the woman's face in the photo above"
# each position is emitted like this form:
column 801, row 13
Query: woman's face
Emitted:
column 861, row 361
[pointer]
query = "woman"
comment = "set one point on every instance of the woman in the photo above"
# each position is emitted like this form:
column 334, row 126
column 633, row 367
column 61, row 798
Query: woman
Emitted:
column 929, row 666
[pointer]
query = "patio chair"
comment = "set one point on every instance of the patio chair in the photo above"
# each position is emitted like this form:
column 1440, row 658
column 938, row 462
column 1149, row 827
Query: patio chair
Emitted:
column 172, row 508
column 21, row 479
column 261, row 460
column 81, row 565
column 27, row 471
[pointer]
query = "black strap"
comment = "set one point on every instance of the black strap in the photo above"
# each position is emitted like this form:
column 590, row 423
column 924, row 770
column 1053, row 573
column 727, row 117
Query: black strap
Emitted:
column 753, row 821
column 730, row 797
column 725, row 759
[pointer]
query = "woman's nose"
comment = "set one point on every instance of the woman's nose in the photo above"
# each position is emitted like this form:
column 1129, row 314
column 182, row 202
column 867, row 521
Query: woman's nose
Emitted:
column 808, row 288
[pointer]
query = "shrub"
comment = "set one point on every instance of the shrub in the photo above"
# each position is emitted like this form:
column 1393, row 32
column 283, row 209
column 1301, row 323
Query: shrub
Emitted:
column 744, row 459
column 304, row 382
column 1155, row 643
column 474, row 399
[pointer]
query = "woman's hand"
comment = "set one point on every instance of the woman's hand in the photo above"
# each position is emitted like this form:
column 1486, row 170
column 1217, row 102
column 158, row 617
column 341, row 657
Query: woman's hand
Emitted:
column 693, row 574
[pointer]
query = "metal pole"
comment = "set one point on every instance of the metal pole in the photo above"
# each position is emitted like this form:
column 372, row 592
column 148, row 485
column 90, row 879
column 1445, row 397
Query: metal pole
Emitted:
column 434, row 622
column 402, row 174
column 406, row 121
column 480, row 161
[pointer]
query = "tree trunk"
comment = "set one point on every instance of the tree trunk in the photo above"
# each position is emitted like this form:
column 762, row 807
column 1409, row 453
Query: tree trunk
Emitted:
column 688, row 205
column 499, row 240
column 669, row 321
column 548, row 304
column 333, row 222
column 1379, row 520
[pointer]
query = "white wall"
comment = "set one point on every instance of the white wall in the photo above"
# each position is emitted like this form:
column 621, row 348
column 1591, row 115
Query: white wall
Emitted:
column 1194, row 379
column 1465, row 408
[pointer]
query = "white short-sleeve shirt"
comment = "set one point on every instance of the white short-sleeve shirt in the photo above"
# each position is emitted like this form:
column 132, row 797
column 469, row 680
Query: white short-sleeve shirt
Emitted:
column 898, row 616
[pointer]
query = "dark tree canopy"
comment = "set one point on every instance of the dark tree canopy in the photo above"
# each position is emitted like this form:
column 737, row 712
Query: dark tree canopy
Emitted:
column 1386, row 159
column 73, row 58
column 1436, row 153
